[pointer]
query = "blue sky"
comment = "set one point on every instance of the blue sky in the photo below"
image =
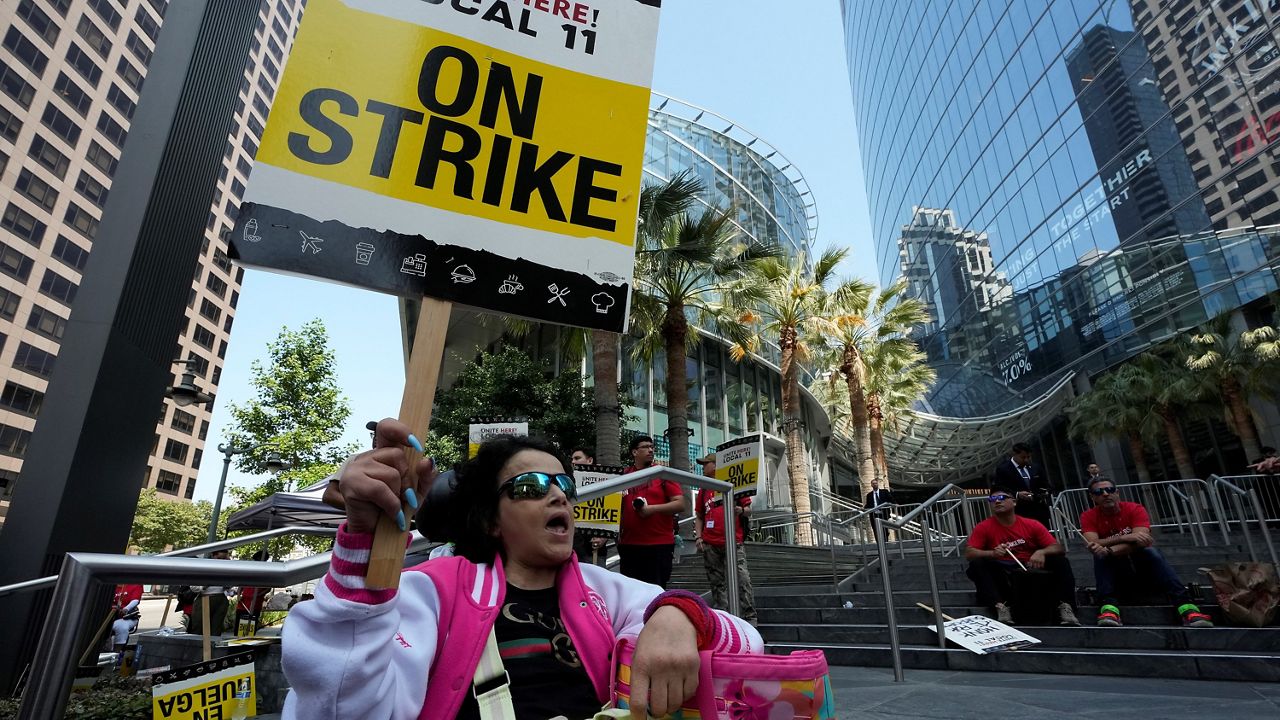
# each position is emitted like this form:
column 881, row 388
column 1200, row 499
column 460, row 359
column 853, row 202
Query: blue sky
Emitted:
column 775, row 68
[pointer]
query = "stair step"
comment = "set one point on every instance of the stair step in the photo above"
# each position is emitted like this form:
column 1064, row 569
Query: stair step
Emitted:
column 1183, row 664
column 1051, row 636
column 1134, row 615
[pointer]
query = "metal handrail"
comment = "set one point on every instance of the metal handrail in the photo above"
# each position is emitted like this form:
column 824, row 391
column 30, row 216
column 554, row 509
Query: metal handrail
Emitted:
column 1237, row 493
column 228, row 544
column 895, row 642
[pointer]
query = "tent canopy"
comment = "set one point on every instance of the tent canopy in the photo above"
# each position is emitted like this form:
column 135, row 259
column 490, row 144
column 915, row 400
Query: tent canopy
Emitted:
column 300, row 508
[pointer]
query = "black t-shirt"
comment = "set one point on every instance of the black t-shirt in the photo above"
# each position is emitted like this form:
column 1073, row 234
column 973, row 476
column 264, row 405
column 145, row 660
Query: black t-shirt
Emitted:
column 547, row 676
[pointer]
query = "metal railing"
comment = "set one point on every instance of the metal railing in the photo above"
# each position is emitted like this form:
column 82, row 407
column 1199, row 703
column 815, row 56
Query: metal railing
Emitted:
column 228, row 544
column 1180, row 505
column 1239, row 497
column 921, row 512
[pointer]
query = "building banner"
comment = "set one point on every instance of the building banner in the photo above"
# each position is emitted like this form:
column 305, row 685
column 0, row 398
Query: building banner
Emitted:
column 485, row 153
column 738, row 461
column 487, row 429
column 213, row 689
column 602, row 516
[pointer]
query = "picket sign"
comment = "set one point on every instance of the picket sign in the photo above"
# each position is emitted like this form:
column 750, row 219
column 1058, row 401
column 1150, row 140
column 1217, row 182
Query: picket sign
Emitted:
column 982, row 635
column 489, row 159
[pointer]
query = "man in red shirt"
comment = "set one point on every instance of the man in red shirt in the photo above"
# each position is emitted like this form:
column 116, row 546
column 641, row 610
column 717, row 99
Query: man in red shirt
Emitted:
column 1119, row 536
column 647, row 537
column 996, row 541
column 711, row 543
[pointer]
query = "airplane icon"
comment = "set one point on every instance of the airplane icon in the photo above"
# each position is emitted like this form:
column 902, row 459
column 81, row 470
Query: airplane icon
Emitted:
column 311, row 243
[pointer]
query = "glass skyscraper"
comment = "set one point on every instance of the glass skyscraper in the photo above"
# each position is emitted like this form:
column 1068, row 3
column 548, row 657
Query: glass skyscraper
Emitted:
column 1064, row 183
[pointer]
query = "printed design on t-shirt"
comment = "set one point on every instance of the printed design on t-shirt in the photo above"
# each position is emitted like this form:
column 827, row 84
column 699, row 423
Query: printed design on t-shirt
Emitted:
column 1122, row 531
column 560, row 645
column 1016, row 543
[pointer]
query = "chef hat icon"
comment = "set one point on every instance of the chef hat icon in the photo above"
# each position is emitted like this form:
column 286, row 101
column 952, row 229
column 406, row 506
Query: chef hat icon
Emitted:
column 603, row 301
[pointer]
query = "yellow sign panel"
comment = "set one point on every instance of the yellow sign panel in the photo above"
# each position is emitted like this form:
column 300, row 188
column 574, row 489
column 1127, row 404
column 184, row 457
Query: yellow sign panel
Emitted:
column 432, row 118
column 738, row 462
column 601, row 516
column 213, row 690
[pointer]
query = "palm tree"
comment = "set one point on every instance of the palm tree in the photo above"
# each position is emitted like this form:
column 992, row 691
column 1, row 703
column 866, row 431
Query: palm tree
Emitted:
column 1108, row 410
column 898, row 378
column 861, row 320
column 797, row 300
column 1235, row 364
column 1165, row 387
column 688, row 268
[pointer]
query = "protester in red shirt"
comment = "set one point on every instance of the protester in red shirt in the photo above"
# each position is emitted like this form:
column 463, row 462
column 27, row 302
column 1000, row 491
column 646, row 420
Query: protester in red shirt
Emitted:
column 711, row 543
column 647, row 537
column 997, row 541
column 126, row 601
column 1119, row 536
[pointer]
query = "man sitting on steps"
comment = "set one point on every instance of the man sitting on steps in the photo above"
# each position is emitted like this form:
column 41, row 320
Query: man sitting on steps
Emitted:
column 1119, row 536
column 992, row 547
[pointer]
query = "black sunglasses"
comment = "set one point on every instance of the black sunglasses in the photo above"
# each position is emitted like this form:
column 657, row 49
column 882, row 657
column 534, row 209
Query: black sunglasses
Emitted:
column 1102, row 490
column 534, row 485
column 998, row 498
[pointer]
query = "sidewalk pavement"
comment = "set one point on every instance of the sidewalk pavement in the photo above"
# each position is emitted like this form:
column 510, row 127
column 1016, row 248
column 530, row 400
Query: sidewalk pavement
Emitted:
column 871, row 693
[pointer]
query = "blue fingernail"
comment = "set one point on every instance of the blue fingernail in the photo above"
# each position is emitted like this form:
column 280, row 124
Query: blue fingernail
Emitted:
column 415, row 444
column 400, row 520
column 412, row 497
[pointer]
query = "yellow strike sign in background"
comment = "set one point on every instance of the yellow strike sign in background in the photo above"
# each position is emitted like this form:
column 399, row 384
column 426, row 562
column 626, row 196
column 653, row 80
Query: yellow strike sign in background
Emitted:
column 371, row 57
column 738, row 462
column 214, row 696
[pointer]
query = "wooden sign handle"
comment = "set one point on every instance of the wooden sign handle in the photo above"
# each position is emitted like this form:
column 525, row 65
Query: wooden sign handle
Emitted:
column 386, row 558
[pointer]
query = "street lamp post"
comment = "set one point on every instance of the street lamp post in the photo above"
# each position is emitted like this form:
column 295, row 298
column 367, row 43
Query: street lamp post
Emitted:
column 273, row 464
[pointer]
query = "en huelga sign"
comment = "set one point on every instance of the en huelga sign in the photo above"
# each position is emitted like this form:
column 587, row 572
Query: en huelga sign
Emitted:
column 738, row 462
column 211, row 689
column 485, row 153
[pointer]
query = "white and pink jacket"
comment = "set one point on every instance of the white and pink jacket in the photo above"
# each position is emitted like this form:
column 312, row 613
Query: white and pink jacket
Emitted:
column 385, row 654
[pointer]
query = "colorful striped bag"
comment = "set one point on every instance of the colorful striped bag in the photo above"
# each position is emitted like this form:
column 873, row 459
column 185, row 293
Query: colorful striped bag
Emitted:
column 746, row 687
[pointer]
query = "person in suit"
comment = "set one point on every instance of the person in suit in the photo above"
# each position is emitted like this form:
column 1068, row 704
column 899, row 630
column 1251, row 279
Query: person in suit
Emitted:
column 1029, row 481
column 1091, row 472
column 879, row 497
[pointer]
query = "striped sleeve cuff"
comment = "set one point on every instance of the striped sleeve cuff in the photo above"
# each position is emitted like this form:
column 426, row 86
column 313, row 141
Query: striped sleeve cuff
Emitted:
column 349, row 566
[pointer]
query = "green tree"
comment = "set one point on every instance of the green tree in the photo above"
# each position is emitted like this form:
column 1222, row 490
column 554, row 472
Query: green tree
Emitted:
column 1235, row 365
column 898, row 377
column 1107, row 410
column 298, row 412
column 160, row 524
column 1166, row 387
column 860, row 320
column 691, row 269
column 795, row 307
column 510, row 383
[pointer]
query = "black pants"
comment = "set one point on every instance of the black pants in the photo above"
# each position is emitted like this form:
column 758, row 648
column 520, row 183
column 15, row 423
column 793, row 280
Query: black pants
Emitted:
column 1140, row 572
column 650, row 563
column 993, row 579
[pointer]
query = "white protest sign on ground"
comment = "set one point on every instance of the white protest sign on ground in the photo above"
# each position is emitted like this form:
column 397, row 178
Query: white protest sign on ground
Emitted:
column 209, row 689
column 484, row 153
column 480, row 430
column 984, row 636
column 600, row 517
column 738, row 462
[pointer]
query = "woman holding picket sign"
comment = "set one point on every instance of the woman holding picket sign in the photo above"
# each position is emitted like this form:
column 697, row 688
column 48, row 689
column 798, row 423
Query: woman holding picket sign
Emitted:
column 512, row 626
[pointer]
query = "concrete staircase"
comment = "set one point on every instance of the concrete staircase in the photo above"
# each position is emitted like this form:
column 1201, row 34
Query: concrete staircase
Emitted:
column 800, row 608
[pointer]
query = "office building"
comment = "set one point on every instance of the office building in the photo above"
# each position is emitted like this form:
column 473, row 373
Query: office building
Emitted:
column 72, row 73
column 1118, row 160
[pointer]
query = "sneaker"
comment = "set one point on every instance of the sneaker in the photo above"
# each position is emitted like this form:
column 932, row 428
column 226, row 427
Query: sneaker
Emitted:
column 1192, row 617
column 1109, row 616
column 1067, row 616
column 1004, row 614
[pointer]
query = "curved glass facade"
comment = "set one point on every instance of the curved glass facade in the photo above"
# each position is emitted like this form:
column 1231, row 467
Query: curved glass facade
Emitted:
column 769, row 198
column 1065, row 182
